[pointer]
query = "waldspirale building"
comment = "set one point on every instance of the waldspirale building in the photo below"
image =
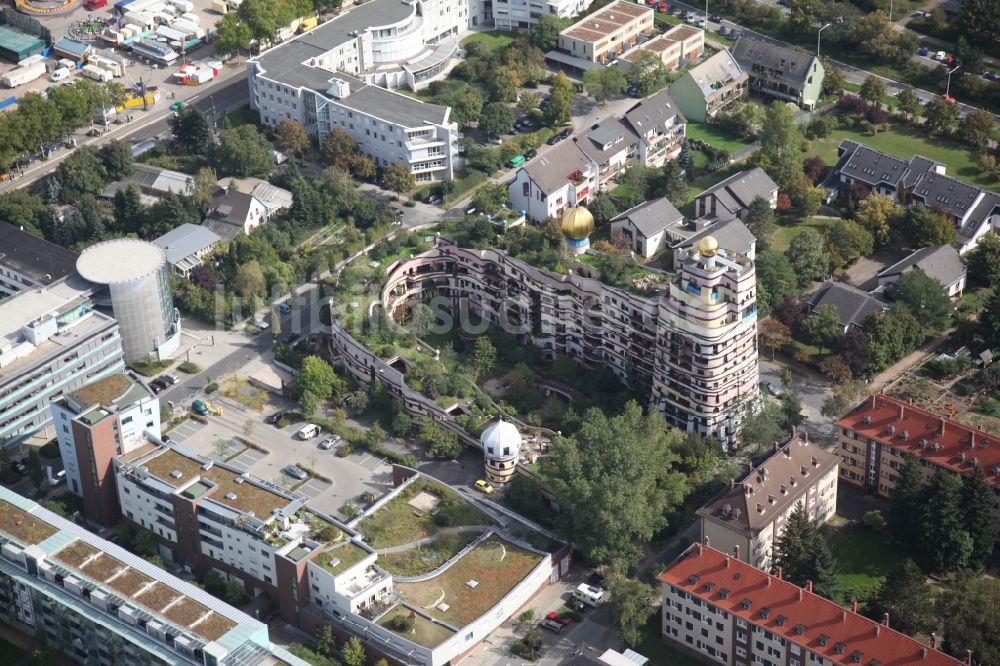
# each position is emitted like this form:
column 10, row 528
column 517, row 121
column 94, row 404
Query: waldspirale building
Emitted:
column 692, row 345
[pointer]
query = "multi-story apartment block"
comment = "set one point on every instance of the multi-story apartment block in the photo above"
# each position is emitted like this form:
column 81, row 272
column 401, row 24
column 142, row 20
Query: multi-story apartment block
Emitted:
column 704, row 90
column 650, row 133
column 675, row 48
column 30, row 262
column 604, row 35
column 780, row 72
column 724, row 611
column 331, row 77
column 918, row 182
column 522, row 14
column 692, row 347
column 879, row 434
column 99, row 604
column 95, row 423
column 51, row 342
column 749, row 516
column 317, row 570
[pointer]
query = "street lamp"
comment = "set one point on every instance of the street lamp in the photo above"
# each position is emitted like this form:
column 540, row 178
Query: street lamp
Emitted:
column 819, row 33
column 947, row 90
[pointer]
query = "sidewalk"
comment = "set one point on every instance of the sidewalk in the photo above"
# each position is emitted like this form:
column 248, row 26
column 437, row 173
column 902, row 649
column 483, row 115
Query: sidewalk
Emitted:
column 883, row 379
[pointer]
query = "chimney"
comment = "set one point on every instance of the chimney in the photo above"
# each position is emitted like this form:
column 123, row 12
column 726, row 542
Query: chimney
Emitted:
column 815, row 461
column 699, row 549
column 934, row 640
column 707, row 541
column 800, row 594
column 854, row 605
column 843, row 614
column 768, row 583
column 941, row 423
column 727, row 562
column 877, row 628
column 901, row 408
column 885, row 619
column 736, row 551
column 809, row 586
column 778, row 573
column 923, row 652
column 775, row 446
column 968, row 657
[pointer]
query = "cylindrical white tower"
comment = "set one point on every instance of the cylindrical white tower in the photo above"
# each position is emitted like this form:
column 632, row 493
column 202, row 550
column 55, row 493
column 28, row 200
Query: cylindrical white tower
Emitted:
column 138, row 279
column 501, row 445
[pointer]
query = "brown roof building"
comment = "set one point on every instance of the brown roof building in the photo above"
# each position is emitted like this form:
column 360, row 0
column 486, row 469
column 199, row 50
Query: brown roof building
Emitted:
column 607, row 33
column 750, row 515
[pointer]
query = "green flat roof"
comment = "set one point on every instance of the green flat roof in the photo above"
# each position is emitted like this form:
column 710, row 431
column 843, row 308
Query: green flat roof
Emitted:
column 19, row 42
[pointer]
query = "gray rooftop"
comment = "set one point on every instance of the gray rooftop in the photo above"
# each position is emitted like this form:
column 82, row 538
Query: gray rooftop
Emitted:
column 853, row 305
column 941, row 262
column 793, row 64
column 288, row 64
column 737, row 191
column 34, row 257
column 607, row 138
column 653, row 112
column 716, row 72
column 732, row 235
column 183, row 241
column 552, row 170
column 651, row 217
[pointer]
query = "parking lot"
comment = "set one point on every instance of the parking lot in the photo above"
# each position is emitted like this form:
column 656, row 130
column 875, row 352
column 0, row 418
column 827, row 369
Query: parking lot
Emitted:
column 351, row 477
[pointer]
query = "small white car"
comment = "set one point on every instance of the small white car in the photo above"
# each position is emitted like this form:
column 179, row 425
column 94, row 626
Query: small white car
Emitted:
column 60, row 74
column 940, row 55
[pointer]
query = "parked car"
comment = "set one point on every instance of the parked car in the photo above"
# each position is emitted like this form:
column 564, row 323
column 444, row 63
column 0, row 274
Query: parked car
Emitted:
column 715, row 18
column 308, row 431
column 199, row 408
column 554, row 627
column 284, row 308
column 632, row 91
column 774, row 389
column 295, row 472
column 940, row 55
column 525, row 123
column 556, row 617
column 57, row 478
column 531, row 154
column 20, row 467
column 435, row 199
column 991, row 76
column 329, row 442
column 484, row 486
column 60, row 74
column 157, row 385
column 272, row 419
column 261, row 324
column 923, row 50
column 722, row 30
column 177, row 106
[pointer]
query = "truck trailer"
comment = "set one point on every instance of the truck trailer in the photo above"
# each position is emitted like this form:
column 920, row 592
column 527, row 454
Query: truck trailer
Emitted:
column 25, row 73
column 96, row 73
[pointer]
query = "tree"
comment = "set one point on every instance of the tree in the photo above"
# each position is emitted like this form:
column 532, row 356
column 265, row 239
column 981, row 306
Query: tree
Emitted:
column 318, row 378
column 674, row 184
column 941, row 115
column 128, row 213
column 773, row 334
column 823, row 326
column 945, row 544
column 261, row 16
column 291, row 137
column 338, row 148
column 81, row 173
column 874, row 521
column 808, row 256
column 35, row 472
column 243, row 151
column 116, row 156
column 906, row 597
column 983, row 261
column 791, row 410
column 833, row 83
column 977, row 128
column 560, row 100
column 398, row 178
column 743, row 120
column 877, row 213
column 802, row 15
column 977, row 505
column 353, row 652
column 631, row 606
column 19, row 208
column 646, row 73
column 545, row 33
column 603, row 83
column 443, row 444
column 848, row 240
column 780, row 146
column 908, row 101
column 497, row 119
column 484, row 355
column 968, row 611
column 802, row 554
column 232, row 34
column 813, row 168
column 776, row 280
column 249, row 280
column 891, row 336
column 191, row 131
column 527, row 102
column 760, row 221
column 925, row 227
column 763, row 428
column 836, row 368
column 845, row 395
column 872, row 89
column 979, row 22
column 603, row 208
column 615, row 481
column 326, row 642
column 989, row 318
column 925, row 297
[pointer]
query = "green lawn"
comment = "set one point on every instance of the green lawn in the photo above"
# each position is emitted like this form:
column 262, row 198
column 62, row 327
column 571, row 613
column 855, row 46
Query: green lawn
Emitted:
column 782, row 236
column 863, row 560
column 904, row 141
column 658, row 652
column 494, row 41
column 715, row 136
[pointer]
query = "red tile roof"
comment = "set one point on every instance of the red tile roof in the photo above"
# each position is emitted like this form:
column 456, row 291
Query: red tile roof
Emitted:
column 815, row 615
column 935, row 438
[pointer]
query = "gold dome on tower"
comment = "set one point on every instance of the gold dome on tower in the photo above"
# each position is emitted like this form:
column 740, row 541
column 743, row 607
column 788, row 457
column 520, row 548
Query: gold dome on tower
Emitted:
column 577, row 223
column 708, row 246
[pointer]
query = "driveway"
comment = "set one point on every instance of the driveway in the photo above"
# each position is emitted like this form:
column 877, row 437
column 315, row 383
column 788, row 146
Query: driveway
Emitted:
column 813, row 389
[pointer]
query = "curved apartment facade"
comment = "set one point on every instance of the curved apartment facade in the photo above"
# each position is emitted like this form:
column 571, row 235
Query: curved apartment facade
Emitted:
column 693, row 347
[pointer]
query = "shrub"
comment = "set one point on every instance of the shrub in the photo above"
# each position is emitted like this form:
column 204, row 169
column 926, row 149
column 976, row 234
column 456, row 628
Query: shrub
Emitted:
column 212, row 387
column 189, row 368
column 401, row 623
column 526, row 616
column 874, row 521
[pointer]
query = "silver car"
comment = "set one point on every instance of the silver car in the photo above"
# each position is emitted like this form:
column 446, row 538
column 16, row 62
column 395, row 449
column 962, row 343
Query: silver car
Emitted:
column 328, row 443
column 296, row 472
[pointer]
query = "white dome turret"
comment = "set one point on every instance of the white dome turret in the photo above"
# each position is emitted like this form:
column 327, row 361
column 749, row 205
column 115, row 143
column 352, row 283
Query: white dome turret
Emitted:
column 501, row 442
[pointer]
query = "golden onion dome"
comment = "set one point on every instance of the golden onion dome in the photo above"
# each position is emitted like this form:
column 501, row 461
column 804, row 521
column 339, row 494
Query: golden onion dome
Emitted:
column 577, row 223
column 708, row 246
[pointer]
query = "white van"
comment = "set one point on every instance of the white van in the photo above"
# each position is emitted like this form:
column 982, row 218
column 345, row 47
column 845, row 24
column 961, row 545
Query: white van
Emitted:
column 588, row 594
column 308, row 431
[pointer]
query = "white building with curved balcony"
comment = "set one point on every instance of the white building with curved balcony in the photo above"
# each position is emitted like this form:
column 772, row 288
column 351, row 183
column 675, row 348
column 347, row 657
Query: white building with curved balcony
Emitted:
column 692, row 347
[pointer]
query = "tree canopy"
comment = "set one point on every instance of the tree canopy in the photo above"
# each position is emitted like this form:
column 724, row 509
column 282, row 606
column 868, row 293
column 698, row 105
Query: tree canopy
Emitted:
column 802, row 554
